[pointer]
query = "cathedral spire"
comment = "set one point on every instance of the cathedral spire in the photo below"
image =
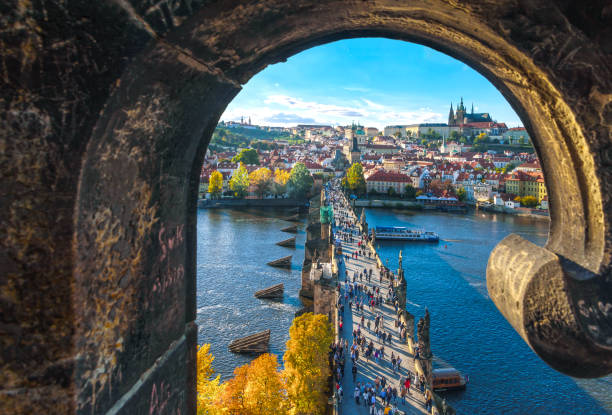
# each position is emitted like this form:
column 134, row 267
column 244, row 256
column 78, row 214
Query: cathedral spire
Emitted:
column 451, row 115
column 472, row 108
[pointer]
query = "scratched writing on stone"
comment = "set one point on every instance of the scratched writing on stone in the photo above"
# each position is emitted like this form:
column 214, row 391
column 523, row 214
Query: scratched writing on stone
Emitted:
column 169, row 240
column 160, row 398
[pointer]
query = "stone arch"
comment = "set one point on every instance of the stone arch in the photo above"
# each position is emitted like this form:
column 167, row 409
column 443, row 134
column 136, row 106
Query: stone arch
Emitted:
column 131, row 257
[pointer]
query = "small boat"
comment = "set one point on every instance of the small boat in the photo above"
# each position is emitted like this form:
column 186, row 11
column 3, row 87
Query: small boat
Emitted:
column 397, row 233
column 448, row 379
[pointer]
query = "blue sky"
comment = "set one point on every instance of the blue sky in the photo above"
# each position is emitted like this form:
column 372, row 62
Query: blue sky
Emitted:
column 373, row 81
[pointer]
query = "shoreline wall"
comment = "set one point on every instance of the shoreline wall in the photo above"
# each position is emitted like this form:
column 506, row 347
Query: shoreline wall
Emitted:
column 234, row 203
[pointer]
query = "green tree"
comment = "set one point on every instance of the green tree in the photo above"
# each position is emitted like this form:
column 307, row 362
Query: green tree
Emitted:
column 215, row 184
column 246, row 156
column 529, row 201
column 461, row 194
column 391, row 192
column 300, row 181
column 508, row 168
column 239, row 183
column 306, row 364
column 262, row 180
column 409, row 191
column 356, row 181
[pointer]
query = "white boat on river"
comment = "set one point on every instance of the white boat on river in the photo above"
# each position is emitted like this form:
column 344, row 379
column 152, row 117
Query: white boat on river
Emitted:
column 398, row 233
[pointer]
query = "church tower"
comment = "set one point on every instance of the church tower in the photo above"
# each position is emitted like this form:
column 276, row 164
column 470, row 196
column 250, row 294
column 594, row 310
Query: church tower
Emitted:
column 355, row 153
column 460, row 114
column 451, row 116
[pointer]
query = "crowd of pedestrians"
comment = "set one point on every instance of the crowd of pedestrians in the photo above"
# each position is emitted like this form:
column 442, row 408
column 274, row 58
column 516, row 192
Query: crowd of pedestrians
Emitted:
column 371, row 341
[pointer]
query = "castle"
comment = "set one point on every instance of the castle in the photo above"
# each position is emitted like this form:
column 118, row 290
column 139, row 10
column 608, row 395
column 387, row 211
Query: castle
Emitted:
column 462, row 117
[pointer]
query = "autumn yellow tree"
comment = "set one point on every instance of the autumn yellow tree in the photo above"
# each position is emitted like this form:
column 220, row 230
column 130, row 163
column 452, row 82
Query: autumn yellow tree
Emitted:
column 233, row 397
column 208, row 387
column 262, row 180
column 265, row 390
column 306, row 365
column 281, row 177
column 256, row 389
column 215, row 184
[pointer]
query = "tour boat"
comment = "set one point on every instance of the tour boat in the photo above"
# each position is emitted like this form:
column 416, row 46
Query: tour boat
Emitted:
column 448, row 379
column 404, row 234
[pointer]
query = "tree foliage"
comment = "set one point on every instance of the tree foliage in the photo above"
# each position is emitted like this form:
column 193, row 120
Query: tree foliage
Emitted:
column 461, row 194
column 239, row 183
column 262, row 180
column 508, row 168
column 300, row 181
column 208, row 388
column 257, row 388
column 281, row 177
column 409, row 191
column 306, row 365
column 529, row 201
column 355, row 179
column 215, row 184
column 246, row 156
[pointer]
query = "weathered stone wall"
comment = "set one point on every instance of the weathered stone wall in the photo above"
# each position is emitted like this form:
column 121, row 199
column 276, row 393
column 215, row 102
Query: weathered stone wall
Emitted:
column 108, row 107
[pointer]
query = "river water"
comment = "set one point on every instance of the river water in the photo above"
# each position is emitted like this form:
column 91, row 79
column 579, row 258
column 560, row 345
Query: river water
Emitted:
column 467, row 331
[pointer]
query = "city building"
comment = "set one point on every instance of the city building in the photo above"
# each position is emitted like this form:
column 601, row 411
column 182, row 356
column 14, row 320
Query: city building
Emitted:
column 381, row 181
column 522, row 184
column 517, row 135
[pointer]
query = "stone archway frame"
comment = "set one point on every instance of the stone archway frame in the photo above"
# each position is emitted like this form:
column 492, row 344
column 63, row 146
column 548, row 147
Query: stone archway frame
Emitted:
column 136, row 210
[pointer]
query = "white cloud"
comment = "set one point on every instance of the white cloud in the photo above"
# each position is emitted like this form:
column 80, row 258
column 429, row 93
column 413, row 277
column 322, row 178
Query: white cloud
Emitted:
column 284, row 110
column 373, row 105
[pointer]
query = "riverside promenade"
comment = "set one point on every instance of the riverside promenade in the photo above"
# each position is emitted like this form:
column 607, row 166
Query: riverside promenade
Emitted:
column 368, row 369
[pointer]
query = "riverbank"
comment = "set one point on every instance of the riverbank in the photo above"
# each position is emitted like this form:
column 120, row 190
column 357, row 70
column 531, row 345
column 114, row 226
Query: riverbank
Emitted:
column 418, row 206
column 251, row 203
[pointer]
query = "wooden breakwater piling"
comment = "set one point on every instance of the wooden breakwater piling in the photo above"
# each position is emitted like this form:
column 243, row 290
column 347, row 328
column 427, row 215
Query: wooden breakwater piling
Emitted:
column 254, row 343
column 275, row 291
column 290, row 229
column 284, row 262
column 289, row 243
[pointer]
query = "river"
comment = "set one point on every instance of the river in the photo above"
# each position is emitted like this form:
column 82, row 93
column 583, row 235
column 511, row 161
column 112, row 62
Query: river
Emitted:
column 467, row 331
